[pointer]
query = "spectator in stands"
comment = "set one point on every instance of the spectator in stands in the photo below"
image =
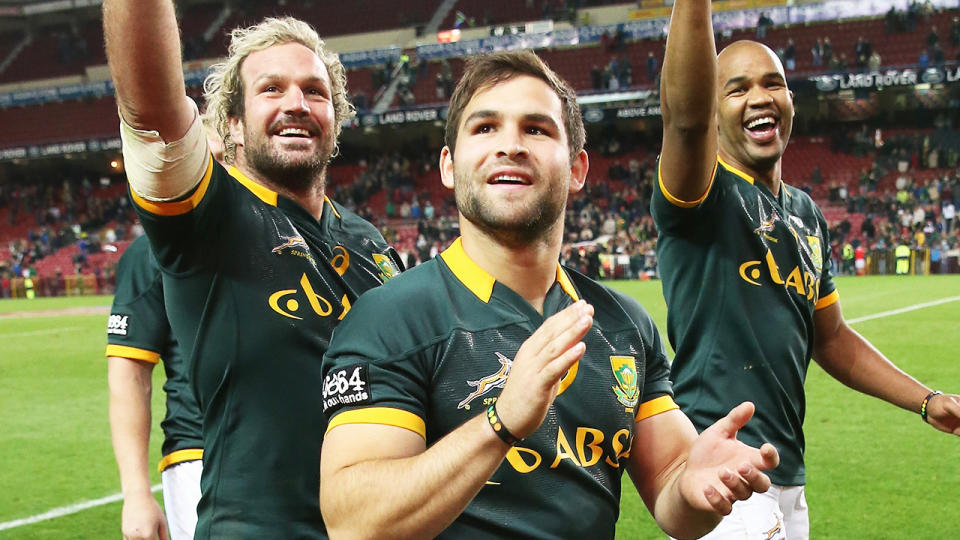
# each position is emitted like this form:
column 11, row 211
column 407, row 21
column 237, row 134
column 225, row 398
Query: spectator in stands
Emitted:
column 596, row 77
column 948, row 213
column 816, row 53
column 933, row 39
column 827, row 50
column 873, row 63
column 955, row 32
column 763, row 23
column 862, row 50
column 652, row 67
column 790, row 55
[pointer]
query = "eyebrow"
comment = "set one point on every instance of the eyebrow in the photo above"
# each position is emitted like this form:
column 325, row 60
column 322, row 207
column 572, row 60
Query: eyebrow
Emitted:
column 772, row 75
column 277, row 76
column 486, row 114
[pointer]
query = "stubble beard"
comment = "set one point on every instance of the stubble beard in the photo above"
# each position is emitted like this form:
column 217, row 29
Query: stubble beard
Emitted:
column 523, row 227
column 295, row 175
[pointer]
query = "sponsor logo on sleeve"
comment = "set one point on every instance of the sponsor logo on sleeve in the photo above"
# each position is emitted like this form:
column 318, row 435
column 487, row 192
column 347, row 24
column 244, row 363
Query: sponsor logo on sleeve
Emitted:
column 117, row 324
column 345, row 386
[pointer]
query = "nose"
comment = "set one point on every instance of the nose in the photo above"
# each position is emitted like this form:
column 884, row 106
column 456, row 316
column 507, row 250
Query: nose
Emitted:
column 511, row 144
column 759, row 97
column 295, row 101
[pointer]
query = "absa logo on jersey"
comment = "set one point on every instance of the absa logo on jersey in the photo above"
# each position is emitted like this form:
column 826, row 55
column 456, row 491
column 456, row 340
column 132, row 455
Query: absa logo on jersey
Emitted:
column 803, row 282
column 287, row 302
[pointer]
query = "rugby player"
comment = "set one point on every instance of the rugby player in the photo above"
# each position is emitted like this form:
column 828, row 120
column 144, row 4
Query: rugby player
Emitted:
column 514, row 392
column 745, row 264
column 138, row 336
column 258, row 264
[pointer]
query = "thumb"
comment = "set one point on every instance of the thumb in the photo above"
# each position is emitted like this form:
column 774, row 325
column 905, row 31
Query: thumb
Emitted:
column 738, row 417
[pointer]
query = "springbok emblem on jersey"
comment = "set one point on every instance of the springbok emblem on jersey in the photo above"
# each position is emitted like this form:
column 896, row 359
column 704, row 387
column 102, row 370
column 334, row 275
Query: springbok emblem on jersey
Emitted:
column 488, row 383
column 625, row 373
column 290, row 242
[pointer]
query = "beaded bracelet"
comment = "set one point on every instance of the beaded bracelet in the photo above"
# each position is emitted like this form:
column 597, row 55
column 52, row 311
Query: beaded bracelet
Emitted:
column 498, row 427
column 923, row 406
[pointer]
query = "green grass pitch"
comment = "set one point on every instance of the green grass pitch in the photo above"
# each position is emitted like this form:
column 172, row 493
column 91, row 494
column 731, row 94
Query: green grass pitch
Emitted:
column 874, row 471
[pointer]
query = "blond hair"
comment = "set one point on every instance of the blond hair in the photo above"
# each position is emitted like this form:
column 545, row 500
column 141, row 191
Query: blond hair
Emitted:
column 223, row 87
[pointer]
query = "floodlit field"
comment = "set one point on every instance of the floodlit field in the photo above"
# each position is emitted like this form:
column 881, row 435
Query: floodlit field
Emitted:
column 874, row 471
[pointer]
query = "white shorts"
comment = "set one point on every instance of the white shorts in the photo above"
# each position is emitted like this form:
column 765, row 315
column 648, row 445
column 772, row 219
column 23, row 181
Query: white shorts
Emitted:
column 779, row 514
column 181, row 493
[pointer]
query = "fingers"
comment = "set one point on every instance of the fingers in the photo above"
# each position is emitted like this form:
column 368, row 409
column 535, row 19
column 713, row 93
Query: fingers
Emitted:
column 561, row 330
column 164, row 535
column 720, row 503
column 554, row 370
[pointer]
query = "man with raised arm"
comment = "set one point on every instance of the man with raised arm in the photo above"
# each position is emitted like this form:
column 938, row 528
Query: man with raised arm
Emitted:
column 139, row 336
column 512, row 400
column 259, row 265
column 745, row 265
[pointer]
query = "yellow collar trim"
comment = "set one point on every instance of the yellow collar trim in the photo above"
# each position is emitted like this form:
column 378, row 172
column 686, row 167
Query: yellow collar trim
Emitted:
column 333, row 208
column 263, row 193
column 479, row 281
column 734, row 170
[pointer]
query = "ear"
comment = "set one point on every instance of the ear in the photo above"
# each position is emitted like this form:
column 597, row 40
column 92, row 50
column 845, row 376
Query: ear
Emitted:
column 578, row 171
column 236, row 130
column 446, row 167
column 791, row 94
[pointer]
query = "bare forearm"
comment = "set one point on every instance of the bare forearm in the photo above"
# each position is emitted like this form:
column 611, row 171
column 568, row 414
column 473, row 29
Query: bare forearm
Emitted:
column 427, row 491
column 689, row 78
column 852, row 360
column 143, row 50
column 130, row 390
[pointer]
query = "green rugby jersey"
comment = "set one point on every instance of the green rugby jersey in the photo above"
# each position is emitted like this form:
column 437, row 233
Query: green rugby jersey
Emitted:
column 138, row 329
column 446, row 360
column 743, row 272
column 254, row 287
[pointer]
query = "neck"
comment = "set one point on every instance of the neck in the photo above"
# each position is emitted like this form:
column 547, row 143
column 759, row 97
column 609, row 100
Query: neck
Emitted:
column 768, row 176
column 310, row 196
column 529, row 270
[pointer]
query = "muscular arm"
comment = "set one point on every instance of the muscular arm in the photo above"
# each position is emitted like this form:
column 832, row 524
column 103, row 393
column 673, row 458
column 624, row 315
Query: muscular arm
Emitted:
column 688, row 481
column 130, row 390
column 429, row 487
column 688, row 102
column 851, row 359
column 143, row 50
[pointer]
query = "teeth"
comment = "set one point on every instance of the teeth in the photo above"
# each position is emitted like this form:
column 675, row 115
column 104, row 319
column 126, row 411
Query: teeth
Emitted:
column 506, row 178
column 294, row 131
column 760, row 122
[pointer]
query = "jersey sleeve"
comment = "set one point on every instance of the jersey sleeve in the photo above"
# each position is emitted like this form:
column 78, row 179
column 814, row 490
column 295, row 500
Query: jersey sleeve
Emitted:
column 371, row 375
column 657, row 392
column 137, row 327
column 827, row 295
column 674, row 215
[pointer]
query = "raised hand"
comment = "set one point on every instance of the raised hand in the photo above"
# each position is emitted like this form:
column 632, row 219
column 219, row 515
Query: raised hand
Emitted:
column 539, row 366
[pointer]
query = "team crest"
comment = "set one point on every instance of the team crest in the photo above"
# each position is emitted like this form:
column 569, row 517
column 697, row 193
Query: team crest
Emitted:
column 488, row 383
column 386, row 266
column 625, row 372
column 816, row 253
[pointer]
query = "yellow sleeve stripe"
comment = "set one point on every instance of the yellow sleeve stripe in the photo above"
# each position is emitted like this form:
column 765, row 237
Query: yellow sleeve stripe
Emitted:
column 187, row 454
column 133, row 353
column 176, row 208
column 655, row 406
column 827, row 300
column 685, row 204
column 383, row 416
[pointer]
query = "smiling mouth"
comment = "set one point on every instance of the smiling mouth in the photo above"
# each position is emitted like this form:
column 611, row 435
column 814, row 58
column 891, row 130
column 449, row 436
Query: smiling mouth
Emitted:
column 762, row 129
column 508, row 180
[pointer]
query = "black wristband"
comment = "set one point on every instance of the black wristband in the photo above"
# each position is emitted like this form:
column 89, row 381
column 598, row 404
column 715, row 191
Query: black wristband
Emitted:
column 926, row 401
column 501, row 430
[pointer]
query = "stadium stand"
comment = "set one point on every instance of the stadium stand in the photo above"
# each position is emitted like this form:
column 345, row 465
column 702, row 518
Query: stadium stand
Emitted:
column 878, row 184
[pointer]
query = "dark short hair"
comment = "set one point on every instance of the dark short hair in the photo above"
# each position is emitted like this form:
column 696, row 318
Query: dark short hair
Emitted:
column 489, row 69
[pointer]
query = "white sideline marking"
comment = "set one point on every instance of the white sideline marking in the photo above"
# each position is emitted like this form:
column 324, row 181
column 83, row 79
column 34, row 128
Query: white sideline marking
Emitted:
column 67, row 510
column 79, row 507
column 903, row 310
column 41, row 332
